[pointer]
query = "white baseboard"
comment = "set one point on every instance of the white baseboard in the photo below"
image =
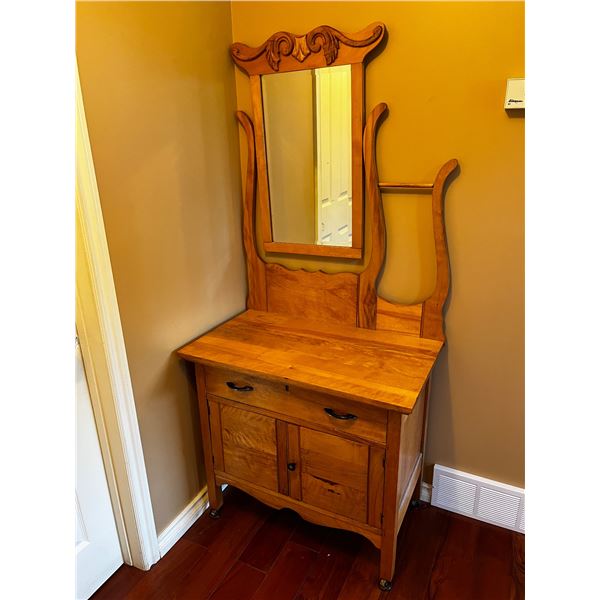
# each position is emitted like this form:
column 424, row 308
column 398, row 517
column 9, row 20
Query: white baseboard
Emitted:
column 171, row 534
column 425, row 494
column 479, row 498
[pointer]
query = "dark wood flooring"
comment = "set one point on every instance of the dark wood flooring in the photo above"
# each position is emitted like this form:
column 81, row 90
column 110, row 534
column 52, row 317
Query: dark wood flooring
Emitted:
column 256, row 553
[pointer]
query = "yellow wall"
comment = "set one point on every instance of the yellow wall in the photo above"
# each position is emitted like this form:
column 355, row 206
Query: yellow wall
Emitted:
column 159, row 97
column 443, row 73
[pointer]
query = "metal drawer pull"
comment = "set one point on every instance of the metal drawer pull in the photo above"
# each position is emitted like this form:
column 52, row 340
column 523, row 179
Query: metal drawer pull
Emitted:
column 346, row 417
column 239, row 388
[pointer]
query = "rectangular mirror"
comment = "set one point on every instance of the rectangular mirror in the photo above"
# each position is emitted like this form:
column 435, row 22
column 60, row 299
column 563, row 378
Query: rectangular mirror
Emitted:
column 308, row 106
column 308, row 138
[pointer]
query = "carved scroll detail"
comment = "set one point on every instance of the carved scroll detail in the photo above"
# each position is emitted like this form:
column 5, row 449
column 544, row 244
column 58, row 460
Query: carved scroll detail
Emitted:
column 322, row 38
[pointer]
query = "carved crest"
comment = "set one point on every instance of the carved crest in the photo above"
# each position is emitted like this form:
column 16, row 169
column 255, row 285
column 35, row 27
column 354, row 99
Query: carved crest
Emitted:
column 323, row 39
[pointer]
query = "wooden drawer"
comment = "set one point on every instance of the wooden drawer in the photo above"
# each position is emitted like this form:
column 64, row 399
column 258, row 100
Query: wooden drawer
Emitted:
column 299, row 405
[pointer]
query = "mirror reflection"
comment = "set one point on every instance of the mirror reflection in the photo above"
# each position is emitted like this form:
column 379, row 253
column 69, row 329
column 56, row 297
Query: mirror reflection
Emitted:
column 308, row 137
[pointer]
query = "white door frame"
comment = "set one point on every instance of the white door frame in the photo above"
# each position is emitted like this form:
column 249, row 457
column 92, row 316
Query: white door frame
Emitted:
column 103, row 349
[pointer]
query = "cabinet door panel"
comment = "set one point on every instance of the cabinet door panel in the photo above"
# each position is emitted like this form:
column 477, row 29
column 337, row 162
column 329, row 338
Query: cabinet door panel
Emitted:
column 249, row 446
column 334, row 473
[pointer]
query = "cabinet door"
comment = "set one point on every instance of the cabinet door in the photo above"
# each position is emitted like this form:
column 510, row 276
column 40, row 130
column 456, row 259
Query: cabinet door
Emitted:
column 334, row 473
column 248, row 442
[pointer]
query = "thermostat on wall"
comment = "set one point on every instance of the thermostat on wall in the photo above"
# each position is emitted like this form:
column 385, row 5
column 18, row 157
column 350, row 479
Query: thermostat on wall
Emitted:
column 515, row 93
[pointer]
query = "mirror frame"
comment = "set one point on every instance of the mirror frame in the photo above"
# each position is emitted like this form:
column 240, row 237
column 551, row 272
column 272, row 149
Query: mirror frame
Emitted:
column 285, row 52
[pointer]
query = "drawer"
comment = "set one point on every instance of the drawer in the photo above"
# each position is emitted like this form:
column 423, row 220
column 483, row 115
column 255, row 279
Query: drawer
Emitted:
column 297, row 404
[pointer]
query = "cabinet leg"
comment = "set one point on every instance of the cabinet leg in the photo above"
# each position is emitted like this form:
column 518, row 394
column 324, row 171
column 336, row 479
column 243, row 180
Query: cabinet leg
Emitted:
column 215, row 497
column 387, row 562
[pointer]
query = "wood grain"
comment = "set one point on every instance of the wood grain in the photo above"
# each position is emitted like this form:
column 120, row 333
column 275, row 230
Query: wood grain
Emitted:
column 241, row 583
column 378, row 368
column 226, row 541
column 367, row 280
column 441, row 555
column 300, row 406
column 162, row 578
column 410, row 443
column 361, row 583
column 255, row 267
column 267, row 543
column 287, row 574
column 387, row 563
column 518, row 567
column 325, row 579
column 403, row 318
column 472, row 564
column 249, row 446
column 424, row 528
column 294, row 456
column 433, row 319
column 264, row 208
column 312, row 295
column 407, row 493
column 357, row 81
column 282, row 457
column 425, row 394
column 376, row 486
column 405, row 186
column 215, row 433
column 311, row 513
column 215, row 497
column 334, row 474
column 315, row 249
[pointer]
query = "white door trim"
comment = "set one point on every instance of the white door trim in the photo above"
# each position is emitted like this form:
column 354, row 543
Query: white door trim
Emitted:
column 105, row 358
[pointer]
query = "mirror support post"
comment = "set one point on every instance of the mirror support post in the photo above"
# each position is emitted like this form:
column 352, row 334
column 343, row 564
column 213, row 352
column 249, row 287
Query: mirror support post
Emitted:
column 367, row 281
column 257, row 284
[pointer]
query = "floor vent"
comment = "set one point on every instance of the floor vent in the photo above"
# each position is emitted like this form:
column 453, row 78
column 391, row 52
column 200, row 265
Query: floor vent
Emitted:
column 479, row 498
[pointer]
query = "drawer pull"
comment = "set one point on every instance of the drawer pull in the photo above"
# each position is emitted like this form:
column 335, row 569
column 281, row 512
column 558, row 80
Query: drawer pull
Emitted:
column 346, row 417
column 239, row 388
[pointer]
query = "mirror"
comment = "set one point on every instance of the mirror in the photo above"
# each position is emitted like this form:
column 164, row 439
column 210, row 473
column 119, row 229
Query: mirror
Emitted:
column 308, row 106
column 308, row 139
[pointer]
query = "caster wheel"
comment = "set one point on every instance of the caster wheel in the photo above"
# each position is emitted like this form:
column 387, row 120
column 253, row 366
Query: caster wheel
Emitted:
column 417, row 504
column 385, row 585
column 214, row 513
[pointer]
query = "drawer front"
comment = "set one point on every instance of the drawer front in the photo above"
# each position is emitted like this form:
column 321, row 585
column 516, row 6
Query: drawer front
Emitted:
column 341, row 416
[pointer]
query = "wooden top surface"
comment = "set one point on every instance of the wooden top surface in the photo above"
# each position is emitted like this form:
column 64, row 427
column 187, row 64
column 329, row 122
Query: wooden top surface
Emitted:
column 381, row 368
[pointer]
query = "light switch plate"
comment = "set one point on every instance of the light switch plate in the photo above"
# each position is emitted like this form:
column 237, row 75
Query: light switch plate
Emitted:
column 515, row 93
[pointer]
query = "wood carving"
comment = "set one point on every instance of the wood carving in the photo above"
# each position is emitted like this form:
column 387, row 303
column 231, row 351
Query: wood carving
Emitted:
column 367, row 281
column 324, row 44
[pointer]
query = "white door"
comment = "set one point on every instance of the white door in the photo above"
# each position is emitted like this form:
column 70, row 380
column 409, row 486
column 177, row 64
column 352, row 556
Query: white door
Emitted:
column 334, row 155
column 98, row 554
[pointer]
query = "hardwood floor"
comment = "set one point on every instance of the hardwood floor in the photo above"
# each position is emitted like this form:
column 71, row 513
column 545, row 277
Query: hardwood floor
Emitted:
column 256, row 553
